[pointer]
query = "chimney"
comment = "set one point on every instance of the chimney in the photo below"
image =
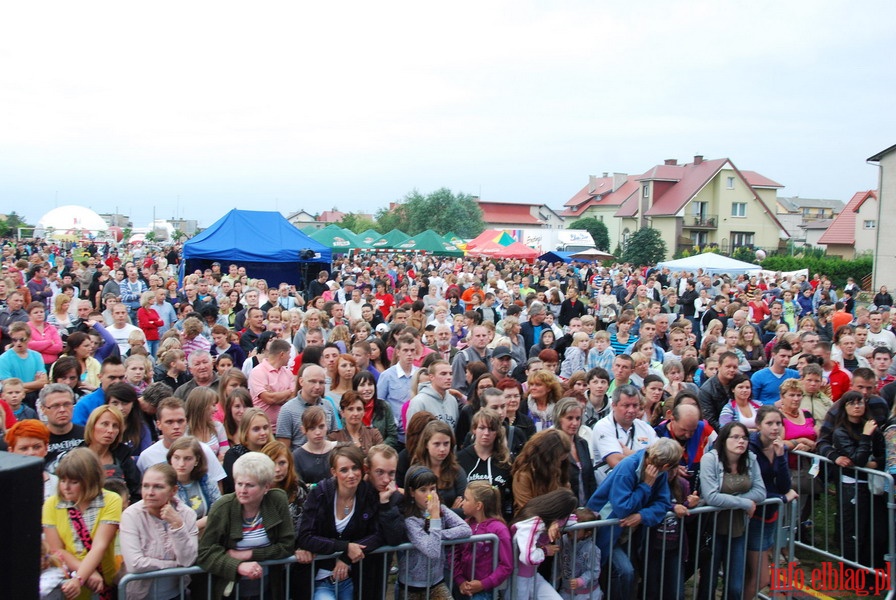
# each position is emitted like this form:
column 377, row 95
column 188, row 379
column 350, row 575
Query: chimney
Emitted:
column 619, row 180
column 606, row 174
column 592, row 184
column 671, row 162
column 698, row 158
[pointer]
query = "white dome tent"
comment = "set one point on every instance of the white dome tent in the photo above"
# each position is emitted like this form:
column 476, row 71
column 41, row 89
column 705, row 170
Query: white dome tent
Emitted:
column 71, row 220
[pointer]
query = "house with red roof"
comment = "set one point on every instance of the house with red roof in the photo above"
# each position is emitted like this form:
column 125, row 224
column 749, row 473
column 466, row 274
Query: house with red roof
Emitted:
column 701, row 203
column 855, row 229
column 519, row 215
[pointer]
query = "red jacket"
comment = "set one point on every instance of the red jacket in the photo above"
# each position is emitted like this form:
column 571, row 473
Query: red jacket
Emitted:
column 840, row 382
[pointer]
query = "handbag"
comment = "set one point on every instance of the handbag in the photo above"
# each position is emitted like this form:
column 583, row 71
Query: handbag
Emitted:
column 83, row 534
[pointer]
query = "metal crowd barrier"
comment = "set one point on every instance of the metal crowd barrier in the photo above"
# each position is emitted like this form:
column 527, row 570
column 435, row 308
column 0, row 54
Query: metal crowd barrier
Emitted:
column 685, row 557
column 857, row 527
column 664, row 561
column 383, row 578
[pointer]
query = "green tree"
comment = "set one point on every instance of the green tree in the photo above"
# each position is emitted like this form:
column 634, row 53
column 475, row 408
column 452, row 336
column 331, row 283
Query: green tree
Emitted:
column 150, row 237
column 388, row 219
column 597, row 229
column 126, row 234
column 178, row 235
column 441, row 211
column 645, row 247
column 10, row 225
column 356, row 223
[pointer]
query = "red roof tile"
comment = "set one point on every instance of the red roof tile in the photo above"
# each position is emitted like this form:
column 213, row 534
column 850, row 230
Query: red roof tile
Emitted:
column 499, row 212
column 330, row 216
column 757, row 180
column 843, row 229
column 629, row 208
column 690, row 177
column 665, row 172
column 599, row 187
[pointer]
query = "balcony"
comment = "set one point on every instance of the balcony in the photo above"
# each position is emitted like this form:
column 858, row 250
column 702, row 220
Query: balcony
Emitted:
column 701, row 222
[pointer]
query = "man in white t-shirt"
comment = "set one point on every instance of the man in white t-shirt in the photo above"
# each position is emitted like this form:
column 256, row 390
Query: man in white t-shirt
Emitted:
column 171, row 420
column 120, row 328
column 621, row 433
column 877, row 335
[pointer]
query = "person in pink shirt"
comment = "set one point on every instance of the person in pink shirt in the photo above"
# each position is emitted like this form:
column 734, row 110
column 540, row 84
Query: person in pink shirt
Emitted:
column 271, row 383
column 44, row 337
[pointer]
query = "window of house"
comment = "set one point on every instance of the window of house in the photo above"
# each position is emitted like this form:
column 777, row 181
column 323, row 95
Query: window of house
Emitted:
column 869, row 224
column 741, row 238
column 729, row 183
column 645, row 191
column 699, row 238
column 738, row 209
column 805, row 212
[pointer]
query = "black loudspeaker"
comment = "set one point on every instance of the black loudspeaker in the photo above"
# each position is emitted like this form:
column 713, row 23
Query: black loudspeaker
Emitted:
column 21, row 501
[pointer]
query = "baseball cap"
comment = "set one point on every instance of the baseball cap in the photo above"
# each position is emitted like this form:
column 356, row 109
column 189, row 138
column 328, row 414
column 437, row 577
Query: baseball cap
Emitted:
column 501, row 352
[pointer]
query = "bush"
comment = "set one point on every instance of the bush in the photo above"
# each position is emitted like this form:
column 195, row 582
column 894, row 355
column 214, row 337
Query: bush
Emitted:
column 836, row 269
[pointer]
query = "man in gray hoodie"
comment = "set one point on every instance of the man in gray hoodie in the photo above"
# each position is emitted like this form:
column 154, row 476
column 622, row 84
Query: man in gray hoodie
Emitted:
column 436, row 397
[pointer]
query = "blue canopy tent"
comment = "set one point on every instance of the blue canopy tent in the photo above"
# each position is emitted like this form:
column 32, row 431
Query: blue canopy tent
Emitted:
column 556, row 256
column 264, row 242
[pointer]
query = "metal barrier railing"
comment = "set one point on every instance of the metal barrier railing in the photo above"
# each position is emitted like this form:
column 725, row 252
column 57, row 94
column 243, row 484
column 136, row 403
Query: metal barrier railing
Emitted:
column 681, row 551
column 380, row 578
column 683, row 557
column 844, row 518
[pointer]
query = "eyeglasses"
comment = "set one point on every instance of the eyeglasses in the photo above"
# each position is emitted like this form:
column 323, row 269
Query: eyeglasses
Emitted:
column 19, row 340
column 61, row 405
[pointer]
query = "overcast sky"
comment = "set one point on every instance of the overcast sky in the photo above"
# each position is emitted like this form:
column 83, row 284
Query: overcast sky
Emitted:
column 195, row 108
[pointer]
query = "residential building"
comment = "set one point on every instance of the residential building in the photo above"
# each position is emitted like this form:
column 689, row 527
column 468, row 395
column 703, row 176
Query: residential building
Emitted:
column 854, row 231
column 885, row 252
column 702, row 203
column 795, row 212
column 811, row 231
column 518, row 215
column 302, row 219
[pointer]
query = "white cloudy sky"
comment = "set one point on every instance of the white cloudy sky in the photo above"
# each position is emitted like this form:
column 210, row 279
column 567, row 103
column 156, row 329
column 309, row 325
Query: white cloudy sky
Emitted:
column 193, row 108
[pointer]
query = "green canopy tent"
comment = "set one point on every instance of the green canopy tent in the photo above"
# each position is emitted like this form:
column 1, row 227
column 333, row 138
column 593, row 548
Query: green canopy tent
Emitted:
column 453, row 238
column 432, row 243
column 368, row 237
column 336, row 238
column 391, row 240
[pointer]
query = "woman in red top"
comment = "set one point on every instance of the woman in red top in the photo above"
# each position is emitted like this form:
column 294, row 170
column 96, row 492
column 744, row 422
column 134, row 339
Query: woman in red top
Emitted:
column 758, row 309
column 149, row 321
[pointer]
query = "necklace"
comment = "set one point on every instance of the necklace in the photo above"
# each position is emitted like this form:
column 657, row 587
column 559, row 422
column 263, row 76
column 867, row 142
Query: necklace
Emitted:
column 347, row 508
column 793, row 415
column 249, row 522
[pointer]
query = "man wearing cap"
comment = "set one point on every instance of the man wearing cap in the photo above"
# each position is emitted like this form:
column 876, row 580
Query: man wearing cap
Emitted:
column 344, row 294
column 501, row 362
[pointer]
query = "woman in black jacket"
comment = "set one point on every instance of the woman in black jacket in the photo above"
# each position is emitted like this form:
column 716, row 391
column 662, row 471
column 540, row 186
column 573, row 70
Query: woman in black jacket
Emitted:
column 857, row 442
column 341, row 515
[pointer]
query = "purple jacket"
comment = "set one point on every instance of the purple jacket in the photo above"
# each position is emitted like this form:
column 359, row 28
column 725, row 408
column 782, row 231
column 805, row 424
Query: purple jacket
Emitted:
column 463, row 557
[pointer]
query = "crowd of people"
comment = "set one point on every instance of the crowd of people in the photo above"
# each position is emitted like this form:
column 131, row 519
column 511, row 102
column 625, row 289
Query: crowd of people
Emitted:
column 224, row 421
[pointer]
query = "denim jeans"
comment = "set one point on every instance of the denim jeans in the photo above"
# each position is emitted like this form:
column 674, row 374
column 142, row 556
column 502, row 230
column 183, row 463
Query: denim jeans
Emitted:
column 326, row 590
column 733, row 566
column 622, row 575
